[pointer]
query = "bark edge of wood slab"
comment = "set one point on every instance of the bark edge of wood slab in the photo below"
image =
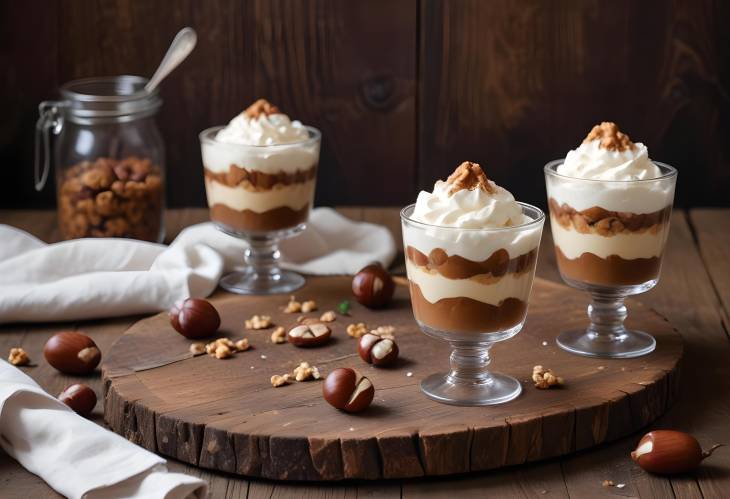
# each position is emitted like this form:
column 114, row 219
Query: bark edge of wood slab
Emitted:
column 225, row 415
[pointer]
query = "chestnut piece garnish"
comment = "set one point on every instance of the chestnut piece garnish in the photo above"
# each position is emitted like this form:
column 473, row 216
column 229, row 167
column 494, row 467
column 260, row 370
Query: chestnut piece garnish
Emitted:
column 377, row 350
column 373, row 286
column 194, row 318
column 81, row 398
column 72, row 353
column 668, row 452
column 342, row 389
column 309, row 334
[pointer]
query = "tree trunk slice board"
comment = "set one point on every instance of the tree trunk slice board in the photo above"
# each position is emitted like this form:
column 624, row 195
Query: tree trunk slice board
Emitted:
column 225, row 415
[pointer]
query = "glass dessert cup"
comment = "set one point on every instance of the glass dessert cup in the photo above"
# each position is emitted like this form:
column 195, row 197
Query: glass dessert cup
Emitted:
column 610, row 253
column 263, row 195
column 463, row 317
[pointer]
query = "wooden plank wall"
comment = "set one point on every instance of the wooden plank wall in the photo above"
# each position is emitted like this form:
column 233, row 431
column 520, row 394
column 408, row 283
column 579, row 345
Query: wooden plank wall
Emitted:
column 403, row 90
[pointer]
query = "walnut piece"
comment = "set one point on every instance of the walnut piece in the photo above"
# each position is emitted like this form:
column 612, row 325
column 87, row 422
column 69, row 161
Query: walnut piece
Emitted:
column 545, row 378
column 357, row 330
column 293, row 307
column 279, row 335
column 328, row 316
column 280, row 380
column 309, row 306
column 223, row 352
column 304, row 372
column 610, row 136
column 469, row 176
column 224, row 348
column 242, row 345
column 385, row 332
column 197, row 348
column 18, row 357
column 261, row 106
column 258, row 322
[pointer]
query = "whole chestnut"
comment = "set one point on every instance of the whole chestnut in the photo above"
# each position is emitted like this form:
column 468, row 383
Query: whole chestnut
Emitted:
column 72, row 353
column 309, row 334
column 194, row 318
column 373, row 286
column 377, row 350
column 669, row 452
column 343, row 390
column 81, row 398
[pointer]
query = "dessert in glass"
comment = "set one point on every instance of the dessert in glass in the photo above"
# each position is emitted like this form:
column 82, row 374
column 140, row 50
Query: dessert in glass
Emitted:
column 471, row 251
column 610, row 207
column 260, row 174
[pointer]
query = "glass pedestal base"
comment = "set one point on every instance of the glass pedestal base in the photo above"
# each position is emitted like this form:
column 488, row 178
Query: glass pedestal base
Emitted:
column 494, row 389
column 250, row 283
column 624, row 345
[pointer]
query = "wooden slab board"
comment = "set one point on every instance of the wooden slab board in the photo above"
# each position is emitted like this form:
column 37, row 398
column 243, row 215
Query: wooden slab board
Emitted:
column 225, row 415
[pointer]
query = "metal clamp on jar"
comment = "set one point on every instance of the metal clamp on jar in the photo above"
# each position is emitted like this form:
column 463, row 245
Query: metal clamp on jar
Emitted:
column 109, row 158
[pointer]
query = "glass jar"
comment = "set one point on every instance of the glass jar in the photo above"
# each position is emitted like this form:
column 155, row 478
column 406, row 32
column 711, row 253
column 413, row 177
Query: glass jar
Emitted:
column 109, row 158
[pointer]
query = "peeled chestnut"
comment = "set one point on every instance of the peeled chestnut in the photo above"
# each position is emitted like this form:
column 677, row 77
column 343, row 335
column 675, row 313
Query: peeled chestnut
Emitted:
column 373, row 286
column 309, row 334
column 72, row 353
column 669, row 452
column 81, row 398
column 377, row 350
column 342, row 389
column 194, row 318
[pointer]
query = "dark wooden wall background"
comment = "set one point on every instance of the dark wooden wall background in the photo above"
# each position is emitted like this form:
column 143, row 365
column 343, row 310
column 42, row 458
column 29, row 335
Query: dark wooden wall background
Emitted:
column 403, row 90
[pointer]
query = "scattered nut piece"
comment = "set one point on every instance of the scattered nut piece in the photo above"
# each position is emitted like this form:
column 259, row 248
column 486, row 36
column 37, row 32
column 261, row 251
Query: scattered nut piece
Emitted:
column 384, row 332
column 304, row 372
column 258, row 322
column 328, row 316
column 223, row 352
column 309, row 306
column 545, row 378
column 607, row 483
column 197, row 348
column 279, row 335
column 242, row 345
column 18, row 357
column 279, row 380
column 293, row 306
column 357, row 330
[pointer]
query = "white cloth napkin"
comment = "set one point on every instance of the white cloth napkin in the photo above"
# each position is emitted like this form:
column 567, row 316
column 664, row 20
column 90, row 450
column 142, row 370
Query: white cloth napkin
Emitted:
column 93, row 278
column 77, row 457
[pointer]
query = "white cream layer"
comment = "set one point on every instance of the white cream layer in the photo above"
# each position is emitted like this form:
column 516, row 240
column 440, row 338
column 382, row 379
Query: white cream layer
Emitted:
column 626, row 245
column 294, row 196
column 435, row 287
column 288, row 158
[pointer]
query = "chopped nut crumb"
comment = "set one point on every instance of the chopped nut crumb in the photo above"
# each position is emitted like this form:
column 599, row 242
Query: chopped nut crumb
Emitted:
column 293, row 306
column 328, row 316
column 309, row 306
column 304, row 372
column 469, row 176
column 223, row 352
column 357, row 330
column 197, row 348
column 385, row 332
column 18, row 357
column 545, row 378
column 258, row 322
column 242, row 345
column 279, row 335
column 279, row 380
column 261, row 106
column 610, row 136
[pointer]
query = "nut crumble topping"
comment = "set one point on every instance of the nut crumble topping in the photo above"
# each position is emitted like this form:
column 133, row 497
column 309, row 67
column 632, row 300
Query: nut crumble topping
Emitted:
column 610, row 136
column 261, row 106
column 469, row 176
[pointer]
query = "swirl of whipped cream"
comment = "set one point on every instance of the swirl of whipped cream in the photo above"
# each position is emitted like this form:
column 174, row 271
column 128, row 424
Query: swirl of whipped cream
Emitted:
column 482, row 206
column 263, row 130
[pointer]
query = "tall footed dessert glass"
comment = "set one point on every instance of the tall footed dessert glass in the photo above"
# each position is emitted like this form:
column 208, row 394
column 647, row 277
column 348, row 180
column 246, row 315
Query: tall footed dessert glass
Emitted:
column 471, row 252
column 610, row 207
column 260, row 174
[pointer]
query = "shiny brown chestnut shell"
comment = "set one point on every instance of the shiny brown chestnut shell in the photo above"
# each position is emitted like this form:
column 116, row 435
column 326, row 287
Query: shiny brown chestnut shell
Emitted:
column 79, row 397
column 377, row 350
column 343, row 390
column 373, row 286
column 194, row 318
column 72, row 353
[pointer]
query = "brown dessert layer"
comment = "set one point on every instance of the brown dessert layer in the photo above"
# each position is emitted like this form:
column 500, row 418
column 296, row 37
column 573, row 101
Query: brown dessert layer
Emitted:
column 465, row 315
column 247, row 220
column 607, row 223
column 255, row 180
column 458, row 267
column 611, row 271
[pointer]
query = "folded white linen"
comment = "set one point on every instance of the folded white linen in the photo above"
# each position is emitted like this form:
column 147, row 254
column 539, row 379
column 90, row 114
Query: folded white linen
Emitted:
column 93, row 278
column 75, row 456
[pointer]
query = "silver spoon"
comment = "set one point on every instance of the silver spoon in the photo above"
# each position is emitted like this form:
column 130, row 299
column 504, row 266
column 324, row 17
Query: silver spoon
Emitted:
column 180, row 48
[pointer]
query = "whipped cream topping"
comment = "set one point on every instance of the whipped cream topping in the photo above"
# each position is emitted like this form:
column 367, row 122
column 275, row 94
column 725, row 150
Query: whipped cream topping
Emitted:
column 609, row 154
column 262, row 124
column 468, row 200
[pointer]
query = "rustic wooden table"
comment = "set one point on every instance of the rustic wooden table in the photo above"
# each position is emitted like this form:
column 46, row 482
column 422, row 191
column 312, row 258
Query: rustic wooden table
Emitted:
column 694, row 294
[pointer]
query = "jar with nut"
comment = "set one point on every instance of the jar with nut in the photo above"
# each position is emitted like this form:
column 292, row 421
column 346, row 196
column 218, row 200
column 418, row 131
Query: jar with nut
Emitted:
column 109, row 158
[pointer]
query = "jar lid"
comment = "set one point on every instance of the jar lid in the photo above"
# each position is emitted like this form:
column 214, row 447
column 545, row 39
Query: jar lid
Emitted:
column 109, row 99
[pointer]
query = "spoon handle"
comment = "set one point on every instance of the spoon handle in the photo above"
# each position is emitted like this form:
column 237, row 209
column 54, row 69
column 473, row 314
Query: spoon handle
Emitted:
column 180, row 48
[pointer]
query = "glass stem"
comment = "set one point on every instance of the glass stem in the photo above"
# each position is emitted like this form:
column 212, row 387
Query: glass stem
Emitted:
column 607, row 313
column 469, row 363
column 262, row 258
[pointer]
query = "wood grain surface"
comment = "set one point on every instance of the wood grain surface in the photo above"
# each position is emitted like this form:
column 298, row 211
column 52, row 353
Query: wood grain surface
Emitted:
column 403, row 90
column 686, row 295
